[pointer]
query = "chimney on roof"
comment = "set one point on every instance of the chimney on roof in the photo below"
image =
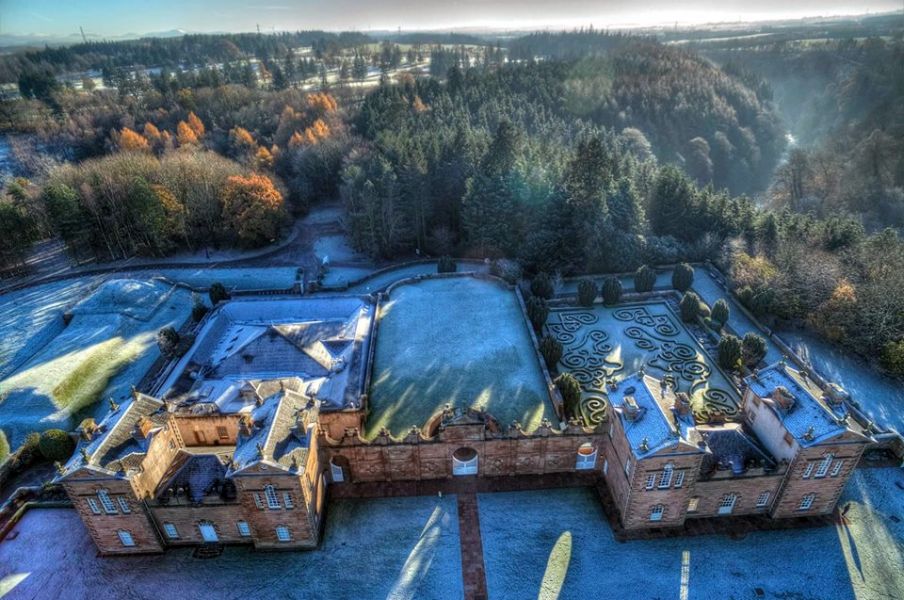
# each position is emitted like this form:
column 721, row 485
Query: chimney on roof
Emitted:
column 85, row 456
column 630, row 409
column 682, row 404
column 783, row 397
column 809, row 434
column 644, row 444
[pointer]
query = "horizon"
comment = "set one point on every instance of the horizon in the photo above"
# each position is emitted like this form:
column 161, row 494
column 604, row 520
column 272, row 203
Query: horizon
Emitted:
column 127, row 18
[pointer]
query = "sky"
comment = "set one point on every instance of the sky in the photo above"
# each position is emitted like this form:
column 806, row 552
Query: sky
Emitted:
column 118, row 17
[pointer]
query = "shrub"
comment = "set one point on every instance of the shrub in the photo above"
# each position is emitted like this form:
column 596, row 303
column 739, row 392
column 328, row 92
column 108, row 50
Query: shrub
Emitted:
column 541, row 286
column 198, row 309
column 570, row 389
column 689, row 307
column 644, row 279
column 168, row 341
column 217, row 293
column 551, row 349
column 720, row 313
column 893, row 358
column 753, row 349
column 55, row 444
column 26, row 452
column 612, row 290
column 537, row 312
column 587, row 292
column 729, row 352
column 506, row 269
column 683, row 277
column 446, row 264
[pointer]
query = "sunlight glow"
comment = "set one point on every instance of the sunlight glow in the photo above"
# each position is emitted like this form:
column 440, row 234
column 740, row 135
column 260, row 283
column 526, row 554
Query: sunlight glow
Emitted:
column 8, row 583
column 685, row 574
column 556, row 568
column 419, row 560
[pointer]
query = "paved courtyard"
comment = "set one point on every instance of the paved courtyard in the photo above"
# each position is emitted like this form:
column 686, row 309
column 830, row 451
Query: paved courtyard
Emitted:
column 398, row 548
column 538, row 544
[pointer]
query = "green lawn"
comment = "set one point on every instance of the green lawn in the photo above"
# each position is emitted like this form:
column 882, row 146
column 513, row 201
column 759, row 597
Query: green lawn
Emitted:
column 84, row 384
column 462, row 341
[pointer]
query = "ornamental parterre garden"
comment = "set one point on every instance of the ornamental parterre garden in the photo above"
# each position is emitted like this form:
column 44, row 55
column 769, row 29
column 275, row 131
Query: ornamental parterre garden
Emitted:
column 287, row 409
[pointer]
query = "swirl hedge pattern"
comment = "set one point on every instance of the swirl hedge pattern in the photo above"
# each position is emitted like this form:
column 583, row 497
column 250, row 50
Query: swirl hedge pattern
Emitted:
column 594, row 353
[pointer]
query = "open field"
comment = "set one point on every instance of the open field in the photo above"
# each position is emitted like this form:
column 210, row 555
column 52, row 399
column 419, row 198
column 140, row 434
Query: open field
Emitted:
column 462, row 341
column 397, row 548
column 106, row 348
column 557, row 544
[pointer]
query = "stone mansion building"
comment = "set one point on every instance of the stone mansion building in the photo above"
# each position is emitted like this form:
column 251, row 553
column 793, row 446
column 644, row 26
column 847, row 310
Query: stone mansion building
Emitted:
column 243, row 437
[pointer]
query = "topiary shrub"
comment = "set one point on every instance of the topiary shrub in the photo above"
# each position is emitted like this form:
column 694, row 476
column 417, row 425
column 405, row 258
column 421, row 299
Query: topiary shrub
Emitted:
column 537, row 312
column 446, row 264
column 168, row 341
column 753, row 349
column 541, row 286
column 644, row 279
column 570, row 390
column 689, row 307
column 551, row 349
column 587, row 292
column 55, row 444
column 612, row 291
column 683, row 277
column 729, row 352
column 720, row 313
column 217, row 293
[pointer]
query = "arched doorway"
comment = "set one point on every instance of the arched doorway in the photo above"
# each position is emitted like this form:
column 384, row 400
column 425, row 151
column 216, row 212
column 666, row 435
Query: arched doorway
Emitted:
column 464, row 461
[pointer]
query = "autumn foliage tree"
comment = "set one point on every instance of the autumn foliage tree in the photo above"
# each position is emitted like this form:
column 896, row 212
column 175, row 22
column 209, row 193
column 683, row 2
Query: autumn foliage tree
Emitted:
column 132, row 141
column 185, row 134
column 253, row 209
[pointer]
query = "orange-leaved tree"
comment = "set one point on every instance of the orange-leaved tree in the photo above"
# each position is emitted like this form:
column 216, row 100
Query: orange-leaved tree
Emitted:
column 132, row 141
column 253, row 209
column 196, row 125
column 185, row 134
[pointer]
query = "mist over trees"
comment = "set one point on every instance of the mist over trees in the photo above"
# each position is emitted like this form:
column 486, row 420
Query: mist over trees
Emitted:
column 571, row 153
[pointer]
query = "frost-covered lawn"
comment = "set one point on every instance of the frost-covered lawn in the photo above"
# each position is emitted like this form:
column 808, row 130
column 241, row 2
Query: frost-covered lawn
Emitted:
column 663, row 282
column 109, row 344
column 394, row 548
column 31, row 317
column 335, row 248
column 338, row 276
column 881, row 397
column 262, row 278
column 556, row 543
column 710, row 291
column 462, row 341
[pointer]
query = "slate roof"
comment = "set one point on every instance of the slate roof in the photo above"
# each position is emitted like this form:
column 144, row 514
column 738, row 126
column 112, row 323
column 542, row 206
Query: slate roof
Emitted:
column 811, row 419
column 322, row 341
column 732, row 447
column 279, row 434
column 117, row 446
column 654, row 429
column 195, row 473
